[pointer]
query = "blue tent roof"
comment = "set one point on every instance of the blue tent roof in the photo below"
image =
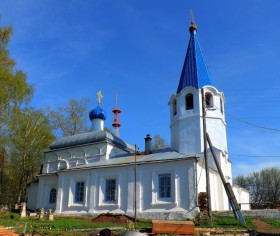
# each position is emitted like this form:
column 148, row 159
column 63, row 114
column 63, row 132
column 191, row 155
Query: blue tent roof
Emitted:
column 194, row 72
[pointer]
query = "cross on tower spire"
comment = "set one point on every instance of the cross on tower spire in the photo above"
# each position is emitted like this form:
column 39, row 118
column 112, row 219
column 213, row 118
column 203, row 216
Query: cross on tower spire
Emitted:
column 193, row 25
column 99, row 96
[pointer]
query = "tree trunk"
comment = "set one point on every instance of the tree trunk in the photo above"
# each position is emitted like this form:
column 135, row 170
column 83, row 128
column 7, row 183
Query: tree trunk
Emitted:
column 20, row 190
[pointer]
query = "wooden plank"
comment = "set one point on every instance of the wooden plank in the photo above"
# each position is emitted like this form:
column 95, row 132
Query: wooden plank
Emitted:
column 172, row 227
column 7, row 232
column 4, row 232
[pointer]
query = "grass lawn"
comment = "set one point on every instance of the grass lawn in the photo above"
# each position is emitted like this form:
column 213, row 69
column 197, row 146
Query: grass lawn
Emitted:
column 63, row 225
column 84, row 225
column 219, row 221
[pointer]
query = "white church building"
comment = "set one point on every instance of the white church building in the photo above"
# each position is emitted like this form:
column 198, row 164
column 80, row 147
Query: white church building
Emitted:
column 94, row 172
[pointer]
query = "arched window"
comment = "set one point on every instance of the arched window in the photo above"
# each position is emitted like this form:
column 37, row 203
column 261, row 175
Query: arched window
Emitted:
column 189, row 101
column 221, row 106
column 174, row 107
column 209, row 100
column 52, row 196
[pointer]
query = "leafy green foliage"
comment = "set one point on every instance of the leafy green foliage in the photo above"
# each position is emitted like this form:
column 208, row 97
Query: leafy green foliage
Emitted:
column 29, row 134
column 24, row 132
column 264, row 187
column 14, row 89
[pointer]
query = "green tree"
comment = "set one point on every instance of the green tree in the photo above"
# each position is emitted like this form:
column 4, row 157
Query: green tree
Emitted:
column 4, row 177
column 15, row 92
column 70, row 119
column 242, row 181
column 159, row 143
column 264, row 187
column 14, row 89
column 29, row 134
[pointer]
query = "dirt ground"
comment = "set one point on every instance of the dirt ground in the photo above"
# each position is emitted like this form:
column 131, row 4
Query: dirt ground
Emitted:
column 264, row 227
column 115, row 218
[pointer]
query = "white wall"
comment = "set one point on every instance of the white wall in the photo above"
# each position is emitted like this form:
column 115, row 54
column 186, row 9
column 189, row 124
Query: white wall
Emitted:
column 182, row 201
column 70, row 157
column 186, row 127
column 46, row 183
column 242, row 196
column 219, row 199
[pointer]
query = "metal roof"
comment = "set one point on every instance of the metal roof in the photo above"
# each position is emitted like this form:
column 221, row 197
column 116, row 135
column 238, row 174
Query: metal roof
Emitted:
column 159, row 156
column 90, row 137
column 194, row 72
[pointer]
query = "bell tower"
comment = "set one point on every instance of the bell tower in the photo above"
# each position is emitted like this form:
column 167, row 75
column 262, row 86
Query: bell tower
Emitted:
column 186, row 124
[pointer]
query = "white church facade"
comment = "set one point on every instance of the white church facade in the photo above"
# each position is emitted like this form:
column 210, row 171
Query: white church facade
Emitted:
column 97, row 172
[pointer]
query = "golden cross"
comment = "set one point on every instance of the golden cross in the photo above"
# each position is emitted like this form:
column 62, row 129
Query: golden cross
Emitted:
column 99, row 95
column 192, row 17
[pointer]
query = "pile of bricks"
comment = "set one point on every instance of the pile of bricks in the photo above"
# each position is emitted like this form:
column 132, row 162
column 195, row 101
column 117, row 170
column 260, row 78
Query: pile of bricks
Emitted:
column 202, row 201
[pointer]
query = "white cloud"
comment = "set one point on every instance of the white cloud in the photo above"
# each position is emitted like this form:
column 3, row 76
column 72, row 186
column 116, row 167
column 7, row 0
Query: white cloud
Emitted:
column 242, row 168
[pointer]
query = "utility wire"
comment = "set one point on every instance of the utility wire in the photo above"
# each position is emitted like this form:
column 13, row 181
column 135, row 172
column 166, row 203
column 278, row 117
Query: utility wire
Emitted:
column 264, row 90
column 252, row 124
column 247, row 122
column 229, row 126
column 243, row 155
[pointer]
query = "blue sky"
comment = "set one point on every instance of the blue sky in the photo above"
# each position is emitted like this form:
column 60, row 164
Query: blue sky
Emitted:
column 72, row 49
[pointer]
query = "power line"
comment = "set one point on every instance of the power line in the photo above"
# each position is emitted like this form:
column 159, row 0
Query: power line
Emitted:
column 249, row 123
column 252, row 124
column 240, row 90
column 255, row 125
column 260, row 118
column 260, row 104
column 229, row 126
column 244, row 155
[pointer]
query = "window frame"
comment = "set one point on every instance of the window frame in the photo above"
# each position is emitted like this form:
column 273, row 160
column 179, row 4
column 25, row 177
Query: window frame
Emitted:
column 189, row 101
column 79, row 196
column 164, row 186
column 72, row 191
column 162, row 201
column 221, row 106
column 102, row 202
column 174, row 107
column 110, row 194
column 209, row 103
column 52, row 196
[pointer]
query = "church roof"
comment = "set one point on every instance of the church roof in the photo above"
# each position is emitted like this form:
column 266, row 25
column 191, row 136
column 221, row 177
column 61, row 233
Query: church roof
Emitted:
column 159, row 156
column 88, row 138
column 194, row 72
